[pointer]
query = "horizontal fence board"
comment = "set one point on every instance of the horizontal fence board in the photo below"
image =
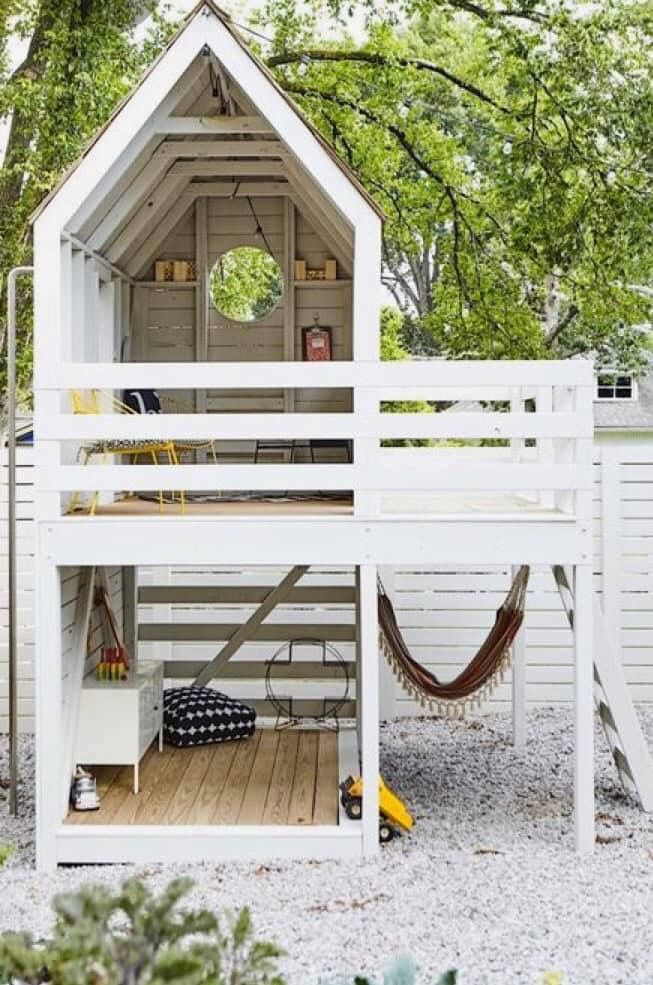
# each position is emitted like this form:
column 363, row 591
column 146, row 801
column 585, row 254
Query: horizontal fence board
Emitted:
column 216, row 595
column 256, row 670
column 219, row 632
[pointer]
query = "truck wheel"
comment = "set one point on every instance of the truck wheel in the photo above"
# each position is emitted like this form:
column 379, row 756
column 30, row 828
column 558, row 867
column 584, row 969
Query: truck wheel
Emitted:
column 354, row 809
column 386, row 832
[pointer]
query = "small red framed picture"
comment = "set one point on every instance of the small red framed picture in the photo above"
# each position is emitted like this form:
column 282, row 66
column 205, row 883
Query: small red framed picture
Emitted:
column 316, row 344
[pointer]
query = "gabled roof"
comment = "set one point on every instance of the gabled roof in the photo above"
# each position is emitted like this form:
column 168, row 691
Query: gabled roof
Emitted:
column 227, row 23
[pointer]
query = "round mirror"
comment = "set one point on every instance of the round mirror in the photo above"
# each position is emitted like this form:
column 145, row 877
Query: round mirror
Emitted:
column 246, row 284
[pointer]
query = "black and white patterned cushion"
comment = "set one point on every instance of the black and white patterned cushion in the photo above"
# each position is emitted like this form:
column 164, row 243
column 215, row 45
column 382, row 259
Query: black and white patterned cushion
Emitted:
column 197, row 716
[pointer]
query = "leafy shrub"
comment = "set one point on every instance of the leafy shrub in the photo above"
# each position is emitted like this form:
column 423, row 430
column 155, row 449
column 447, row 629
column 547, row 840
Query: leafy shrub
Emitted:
column 132, row 937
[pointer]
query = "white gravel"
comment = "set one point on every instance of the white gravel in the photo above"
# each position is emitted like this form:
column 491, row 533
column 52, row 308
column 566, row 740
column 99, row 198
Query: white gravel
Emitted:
column 487, row 883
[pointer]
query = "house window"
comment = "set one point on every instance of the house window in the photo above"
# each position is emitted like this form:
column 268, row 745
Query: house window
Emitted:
column 616, row 386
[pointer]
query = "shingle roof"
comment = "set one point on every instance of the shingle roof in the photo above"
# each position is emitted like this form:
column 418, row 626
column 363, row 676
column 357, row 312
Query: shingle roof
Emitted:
column 627, row 415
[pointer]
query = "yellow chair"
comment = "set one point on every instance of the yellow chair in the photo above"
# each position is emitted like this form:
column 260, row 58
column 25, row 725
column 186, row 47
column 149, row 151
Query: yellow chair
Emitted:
column 90, row 402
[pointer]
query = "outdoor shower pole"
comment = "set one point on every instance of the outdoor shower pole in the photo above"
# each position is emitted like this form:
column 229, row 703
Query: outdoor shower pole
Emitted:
column 11, row 532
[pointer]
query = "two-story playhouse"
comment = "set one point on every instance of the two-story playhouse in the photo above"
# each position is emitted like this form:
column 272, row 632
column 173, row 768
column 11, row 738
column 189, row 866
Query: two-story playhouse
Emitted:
column 272, row 450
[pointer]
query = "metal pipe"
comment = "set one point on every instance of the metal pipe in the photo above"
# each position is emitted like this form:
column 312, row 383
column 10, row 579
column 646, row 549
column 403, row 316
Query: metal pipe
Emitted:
column 11, row 532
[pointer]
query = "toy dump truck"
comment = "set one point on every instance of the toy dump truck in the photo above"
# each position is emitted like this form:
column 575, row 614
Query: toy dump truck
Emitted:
column 393, row 813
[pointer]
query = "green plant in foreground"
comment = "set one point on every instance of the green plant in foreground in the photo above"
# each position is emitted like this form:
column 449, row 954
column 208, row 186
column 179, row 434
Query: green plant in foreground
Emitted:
column 6, row 851
column 132, row 937
column 403, row 971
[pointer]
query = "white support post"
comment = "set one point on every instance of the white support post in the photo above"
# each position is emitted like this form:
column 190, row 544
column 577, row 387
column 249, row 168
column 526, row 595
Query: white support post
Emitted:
column 366, row 301
column 545, row 452
column 519, row 685
column 584, row 709
column 387, row 684
column 369, row 697
column 610, row 543
column 289, row 234
column 49, row 746
column 201, row 299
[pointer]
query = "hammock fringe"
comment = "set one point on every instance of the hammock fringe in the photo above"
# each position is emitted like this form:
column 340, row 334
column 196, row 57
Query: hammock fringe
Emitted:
column 482, row 676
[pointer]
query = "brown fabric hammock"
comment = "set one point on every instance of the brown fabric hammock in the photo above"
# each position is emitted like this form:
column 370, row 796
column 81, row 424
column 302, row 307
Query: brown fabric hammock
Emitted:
column 482, row 674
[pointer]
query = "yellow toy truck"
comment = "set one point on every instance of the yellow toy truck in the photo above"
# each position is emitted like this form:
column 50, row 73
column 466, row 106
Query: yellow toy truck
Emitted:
column 393, row 814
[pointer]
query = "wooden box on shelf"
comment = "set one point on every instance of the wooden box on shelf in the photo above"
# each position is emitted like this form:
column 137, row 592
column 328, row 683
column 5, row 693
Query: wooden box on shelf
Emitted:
column 328, row 272
column 163, row 270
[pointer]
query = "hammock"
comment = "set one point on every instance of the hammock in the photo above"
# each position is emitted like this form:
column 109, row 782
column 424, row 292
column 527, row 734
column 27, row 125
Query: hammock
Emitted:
column 480, row 677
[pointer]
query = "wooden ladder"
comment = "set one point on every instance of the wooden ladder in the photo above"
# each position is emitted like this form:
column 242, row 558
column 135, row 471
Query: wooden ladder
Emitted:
column 614, row 704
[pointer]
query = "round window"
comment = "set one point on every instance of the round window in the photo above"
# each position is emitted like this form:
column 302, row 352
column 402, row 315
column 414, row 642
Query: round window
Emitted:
column 246, row 284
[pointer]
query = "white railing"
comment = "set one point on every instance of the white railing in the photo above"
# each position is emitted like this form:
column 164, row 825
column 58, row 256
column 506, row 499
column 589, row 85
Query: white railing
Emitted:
column 539, row 412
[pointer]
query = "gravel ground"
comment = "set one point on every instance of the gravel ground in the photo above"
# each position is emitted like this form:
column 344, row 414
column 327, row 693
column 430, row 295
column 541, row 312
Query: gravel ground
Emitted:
column 487, row 882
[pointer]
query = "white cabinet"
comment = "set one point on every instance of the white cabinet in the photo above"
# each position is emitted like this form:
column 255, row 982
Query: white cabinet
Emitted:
column 118, row 720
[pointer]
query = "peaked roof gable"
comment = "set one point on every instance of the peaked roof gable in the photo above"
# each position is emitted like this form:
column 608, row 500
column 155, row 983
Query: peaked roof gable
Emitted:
column 205, row 7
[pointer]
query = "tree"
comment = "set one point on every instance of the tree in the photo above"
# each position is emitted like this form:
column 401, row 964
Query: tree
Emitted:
column 81, row 59
column 508, row 144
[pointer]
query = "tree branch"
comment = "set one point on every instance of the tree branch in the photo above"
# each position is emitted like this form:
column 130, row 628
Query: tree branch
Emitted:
column 377, row 59
column 558, row 329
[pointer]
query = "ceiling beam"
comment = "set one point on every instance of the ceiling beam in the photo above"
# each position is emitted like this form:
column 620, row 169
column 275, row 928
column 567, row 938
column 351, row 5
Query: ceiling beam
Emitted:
column 210, row 168
column 241, row 189
column 198, row 125
column 221, row 148
column 222, row 189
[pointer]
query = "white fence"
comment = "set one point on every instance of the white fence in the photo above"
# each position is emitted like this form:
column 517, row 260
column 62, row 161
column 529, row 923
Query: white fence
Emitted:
column 444, row 614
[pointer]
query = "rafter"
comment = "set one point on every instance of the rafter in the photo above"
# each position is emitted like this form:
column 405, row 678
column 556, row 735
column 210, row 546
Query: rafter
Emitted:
column 221, row 148
column 198, row 125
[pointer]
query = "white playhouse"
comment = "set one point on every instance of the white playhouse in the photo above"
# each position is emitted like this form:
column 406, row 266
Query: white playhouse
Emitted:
column 209, row 397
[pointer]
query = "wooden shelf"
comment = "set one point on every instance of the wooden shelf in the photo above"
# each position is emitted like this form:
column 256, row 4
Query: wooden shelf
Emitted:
column 341, row 282
column 171, row 285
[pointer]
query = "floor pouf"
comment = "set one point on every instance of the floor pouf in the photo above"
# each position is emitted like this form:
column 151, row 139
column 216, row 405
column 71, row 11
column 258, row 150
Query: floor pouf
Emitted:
column 198, row 716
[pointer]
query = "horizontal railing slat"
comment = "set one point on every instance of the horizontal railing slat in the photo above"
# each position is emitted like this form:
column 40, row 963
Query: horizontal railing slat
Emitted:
column 309, row 426
column 373, row 374
column 374, row 477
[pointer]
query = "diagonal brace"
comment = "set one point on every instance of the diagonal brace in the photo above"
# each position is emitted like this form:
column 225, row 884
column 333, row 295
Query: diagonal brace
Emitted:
column 244, row 632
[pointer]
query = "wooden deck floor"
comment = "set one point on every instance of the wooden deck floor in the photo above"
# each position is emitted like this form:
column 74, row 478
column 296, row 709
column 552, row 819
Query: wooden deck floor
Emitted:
column 431, row 505
column 285, row 777
column 264, row 507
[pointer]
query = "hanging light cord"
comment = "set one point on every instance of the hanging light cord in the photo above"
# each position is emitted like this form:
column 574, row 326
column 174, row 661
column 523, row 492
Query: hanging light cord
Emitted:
column 259, row 227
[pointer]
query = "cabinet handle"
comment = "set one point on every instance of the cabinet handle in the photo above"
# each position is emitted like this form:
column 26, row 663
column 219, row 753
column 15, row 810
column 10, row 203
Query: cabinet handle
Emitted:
column 155, row 708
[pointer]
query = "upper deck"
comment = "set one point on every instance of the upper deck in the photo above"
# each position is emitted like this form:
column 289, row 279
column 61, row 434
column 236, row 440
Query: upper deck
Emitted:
column 474, row 448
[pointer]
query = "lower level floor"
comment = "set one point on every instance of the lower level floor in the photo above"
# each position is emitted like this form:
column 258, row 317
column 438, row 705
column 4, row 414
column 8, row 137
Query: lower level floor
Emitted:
column 274, row 777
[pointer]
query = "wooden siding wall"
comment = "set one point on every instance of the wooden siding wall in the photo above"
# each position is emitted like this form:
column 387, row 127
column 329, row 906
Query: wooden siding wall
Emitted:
column 164, row 320
column 443, row 614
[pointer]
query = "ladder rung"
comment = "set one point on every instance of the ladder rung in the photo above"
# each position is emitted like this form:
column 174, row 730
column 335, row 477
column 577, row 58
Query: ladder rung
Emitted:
column 606, row 716
column 622, row 763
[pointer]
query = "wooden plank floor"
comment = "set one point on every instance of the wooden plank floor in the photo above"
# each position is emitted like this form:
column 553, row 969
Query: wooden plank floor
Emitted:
column 302, row 507
column 287, row 777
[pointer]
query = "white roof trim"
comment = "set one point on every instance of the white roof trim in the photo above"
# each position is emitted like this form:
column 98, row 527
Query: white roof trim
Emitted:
column 130, row 130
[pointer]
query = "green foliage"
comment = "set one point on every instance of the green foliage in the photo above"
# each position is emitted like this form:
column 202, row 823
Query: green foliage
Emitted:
column 132, row 937
column 403, row 971
column 246, row 283
column 509, row 145
column 81, row 59
column 6, row 851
